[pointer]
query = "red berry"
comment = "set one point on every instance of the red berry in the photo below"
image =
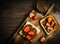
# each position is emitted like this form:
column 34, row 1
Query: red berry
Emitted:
column 27, row 29
column 49, row 19
column 31, row 32
column 28, row 37
column 35, row 17
column 47, row 24
column 52, row 23
column 55, row 25
column 31, row 14
column 48, row 28
column 42, row 39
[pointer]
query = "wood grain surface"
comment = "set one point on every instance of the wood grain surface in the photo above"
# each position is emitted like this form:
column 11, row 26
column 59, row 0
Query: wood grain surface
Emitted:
column 12, row 14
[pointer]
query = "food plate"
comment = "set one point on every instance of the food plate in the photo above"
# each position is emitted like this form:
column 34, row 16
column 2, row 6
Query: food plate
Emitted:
column 49, row 24
column 29, row 33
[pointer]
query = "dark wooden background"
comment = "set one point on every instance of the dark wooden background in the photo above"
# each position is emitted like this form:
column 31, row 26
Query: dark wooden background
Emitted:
column 12, row 14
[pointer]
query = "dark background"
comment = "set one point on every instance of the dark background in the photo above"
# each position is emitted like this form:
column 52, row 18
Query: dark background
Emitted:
column 12, row 13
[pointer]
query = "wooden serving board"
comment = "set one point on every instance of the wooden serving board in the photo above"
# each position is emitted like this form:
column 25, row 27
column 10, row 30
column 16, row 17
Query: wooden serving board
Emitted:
column 17, row 36
column 35, row 24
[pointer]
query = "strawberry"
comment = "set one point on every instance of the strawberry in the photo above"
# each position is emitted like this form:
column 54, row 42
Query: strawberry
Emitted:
column 47, row 24
column 28, row 37
column 31, row 32
column 49, row 28
column 52, row 23
column 42, row 39
column 35, row 17
column 49, row 19
column 31, row 14
column 27, row 29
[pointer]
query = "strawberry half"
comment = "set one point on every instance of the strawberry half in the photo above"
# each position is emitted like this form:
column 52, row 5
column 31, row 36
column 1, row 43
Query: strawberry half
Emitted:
column 28, row 37
column 31, row 32
column 27, row 29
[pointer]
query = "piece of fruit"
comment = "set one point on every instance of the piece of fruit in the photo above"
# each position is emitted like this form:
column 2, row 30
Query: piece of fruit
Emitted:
column 31, row 32
column 28, row 37
column 31, row 14
column 35, row 17
column 42, row 39
column 48, row 28
column 49, row 19
column 26, row 28
column 52, row 23
column 47, row 24
column 55, row 25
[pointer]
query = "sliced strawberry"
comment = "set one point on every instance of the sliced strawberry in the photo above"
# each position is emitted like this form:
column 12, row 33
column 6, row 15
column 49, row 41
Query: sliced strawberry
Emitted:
column 47, row 24
column 49, row 28
column 31, row 14
column 27, row 29
column 35, row 17
column 55, row 25
column 49, row 19
column 28, row 37
column 31, row 32
column 52, row 23
column 42, row 39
